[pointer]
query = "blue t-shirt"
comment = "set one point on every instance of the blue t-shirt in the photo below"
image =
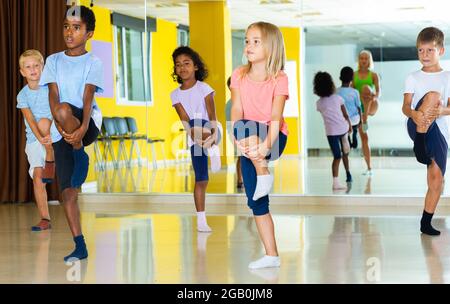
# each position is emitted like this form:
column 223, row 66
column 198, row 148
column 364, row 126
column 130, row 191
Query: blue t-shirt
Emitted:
column 37, row 102
column 71, row 74
column 351, row 100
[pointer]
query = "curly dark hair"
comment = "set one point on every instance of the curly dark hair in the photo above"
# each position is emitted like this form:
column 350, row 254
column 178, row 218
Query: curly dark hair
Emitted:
column 86, row 15
column 346, row 74
column 201, row 72
column 323, row 84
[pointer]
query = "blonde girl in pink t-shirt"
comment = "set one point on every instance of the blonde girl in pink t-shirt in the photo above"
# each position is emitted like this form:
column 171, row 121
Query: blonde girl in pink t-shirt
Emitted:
column 259, row 91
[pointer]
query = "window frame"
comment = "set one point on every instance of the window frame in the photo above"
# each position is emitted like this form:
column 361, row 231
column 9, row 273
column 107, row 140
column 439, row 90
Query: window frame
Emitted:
column 146, row 68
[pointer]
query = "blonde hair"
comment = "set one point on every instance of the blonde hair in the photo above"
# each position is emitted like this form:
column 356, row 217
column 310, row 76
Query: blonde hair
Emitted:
column 367, row 52
column 31, row 53
column 273, row 43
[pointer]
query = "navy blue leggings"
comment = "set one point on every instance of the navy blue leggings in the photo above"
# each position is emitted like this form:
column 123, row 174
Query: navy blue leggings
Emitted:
column 199, row 155
column 246, row 128
column 435, row 143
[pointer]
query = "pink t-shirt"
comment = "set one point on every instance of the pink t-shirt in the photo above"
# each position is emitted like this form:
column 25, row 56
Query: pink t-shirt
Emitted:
column 193, row 100
column 257, row 97
column 330, row 108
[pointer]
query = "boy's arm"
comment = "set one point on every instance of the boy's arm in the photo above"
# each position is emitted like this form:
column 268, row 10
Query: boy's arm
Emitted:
column 445, row 110
column 29, row 117
column 53, row 97
column 88, row 97
column 344, row 112
column 416, row 116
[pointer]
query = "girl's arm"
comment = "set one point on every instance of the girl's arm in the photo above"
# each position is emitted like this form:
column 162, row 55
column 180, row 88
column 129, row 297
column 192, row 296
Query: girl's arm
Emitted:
column 274, row 129
column 184, row 117
column 237, row 113
column 211, row 109
column 236, row 106
column 376, row 82
column 29, row 117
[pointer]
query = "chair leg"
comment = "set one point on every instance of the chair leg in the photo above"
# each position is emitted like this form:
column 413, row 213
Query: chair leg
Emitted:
column 111, row 152
column 154, row 156
column 123, row 153
column 130, row 157
column 163, row 153
column 138, row 154
column 98, row 157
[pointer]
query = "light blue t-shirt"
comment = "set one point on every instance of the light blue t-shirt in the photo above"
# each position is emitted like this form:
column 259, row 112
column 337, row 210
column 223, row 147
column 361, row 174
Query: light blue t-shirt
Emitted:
column 71, row 74
column 37, row 102
column 351, row 100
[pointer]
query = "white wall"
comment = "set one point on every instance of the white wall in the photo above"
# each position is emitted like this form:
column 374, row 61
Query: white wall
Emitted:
column 387, row 127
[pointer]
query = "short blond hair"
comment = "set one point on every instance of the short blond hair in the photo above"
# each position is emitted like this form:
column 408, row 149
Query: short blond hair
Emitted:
column 273, row 42
column 31, row 53
column 369, row 53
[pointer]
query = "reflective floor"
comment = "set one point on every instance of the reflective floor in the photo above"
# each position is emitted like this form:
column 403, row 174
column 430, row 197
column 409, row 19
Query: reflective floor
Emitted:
column 293, row 175
column 165, row 248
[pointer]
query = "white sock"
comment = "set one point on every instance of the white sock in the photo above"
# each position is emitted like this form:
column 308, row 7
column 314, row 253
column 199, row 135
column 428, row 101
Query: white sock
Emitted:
column 265, row 261
column 337, row 185
column 202, row 226
column 214, row 155
column 263, row 186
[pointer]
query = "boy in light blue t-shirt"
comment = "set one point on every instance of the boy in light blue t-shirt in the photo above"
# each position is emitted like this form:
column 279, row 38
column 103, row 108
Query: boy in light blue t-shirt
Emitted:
column 352, row 103
column 32, row 100
column 73, row 77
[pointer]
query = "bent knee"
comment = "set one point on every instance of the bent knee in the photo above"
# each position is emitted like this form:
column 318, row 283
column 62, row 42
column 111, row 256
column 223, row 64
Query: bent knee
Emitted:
column 63, row 112
column 44, row 125
column 431, row 98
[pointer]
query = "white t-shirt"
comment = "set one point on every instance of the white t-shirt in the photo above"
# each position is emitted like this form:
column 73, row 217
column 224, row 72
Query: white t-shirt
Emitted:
column 419, row 83
column 330, row 108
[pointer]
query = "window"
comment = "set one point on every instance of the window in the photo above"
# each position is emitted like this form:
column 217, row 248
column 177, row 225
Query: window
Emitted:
column 133, row 81
column 183, row 35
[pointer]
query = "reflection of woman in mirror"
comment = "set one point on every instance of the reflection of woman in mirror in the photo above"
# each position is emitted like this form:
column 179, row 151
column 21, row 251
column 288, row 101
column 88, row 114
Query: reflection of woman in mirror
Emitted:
column 367, row 83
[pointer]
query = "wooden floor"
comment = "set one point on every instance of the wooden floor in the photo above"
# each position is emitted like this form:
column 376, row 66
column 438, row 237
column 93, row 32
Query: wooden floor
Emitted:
column 139, row 225
column 164, row 247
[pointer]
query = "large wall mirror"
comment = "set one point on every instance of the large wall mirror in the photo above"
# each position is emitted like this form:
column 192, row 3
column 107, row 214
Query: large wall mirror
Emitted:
column 144, row 147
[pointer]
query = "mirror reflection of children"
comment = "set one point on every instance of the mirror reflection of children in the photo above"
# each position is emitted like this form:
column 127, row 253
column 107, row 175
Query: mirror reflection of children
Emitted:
column 352, row 103
column 194, row 102
column 368, row 85
column 337, row 124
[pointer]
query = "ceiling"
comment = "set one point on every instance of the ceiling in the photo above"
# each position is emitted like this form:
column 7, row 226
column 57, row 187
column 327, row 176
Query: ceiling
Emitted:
column 384, row 23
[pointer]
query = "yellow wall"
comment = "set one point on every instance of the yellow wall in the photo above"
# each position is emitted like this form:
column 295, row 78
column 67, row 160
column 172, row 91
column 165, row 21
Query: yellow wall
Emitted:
column 213, row 43
column 292, row 43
